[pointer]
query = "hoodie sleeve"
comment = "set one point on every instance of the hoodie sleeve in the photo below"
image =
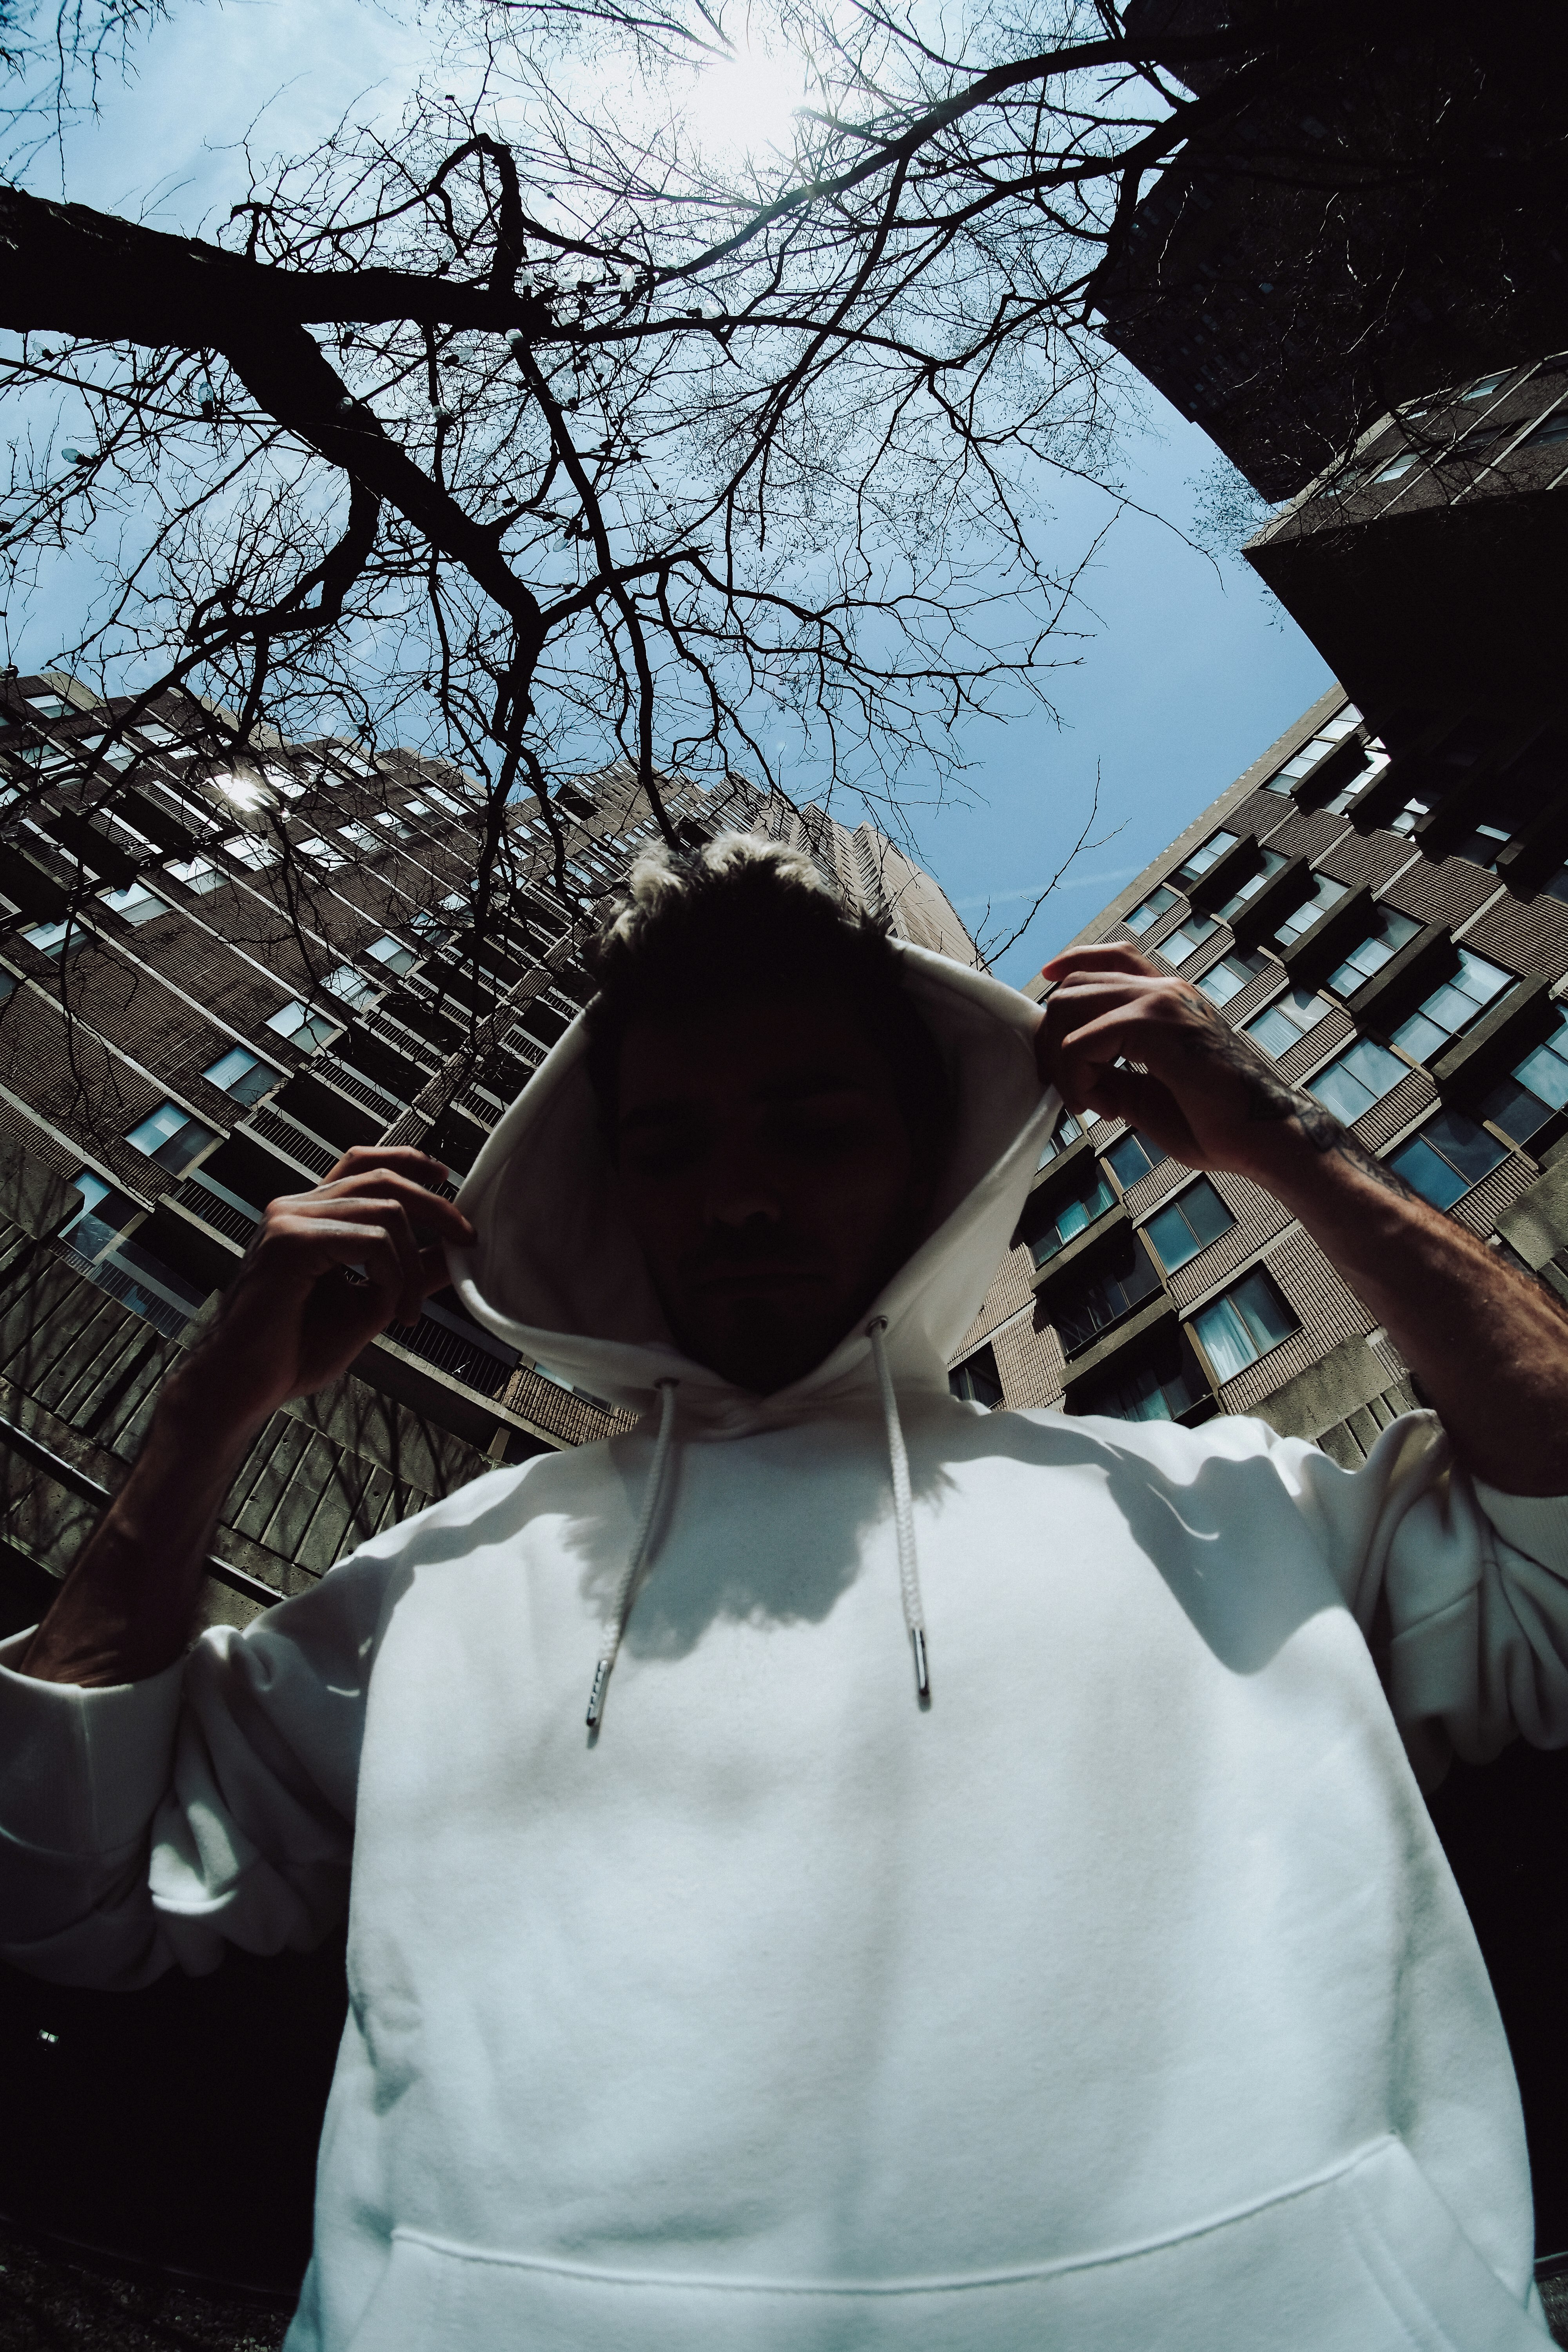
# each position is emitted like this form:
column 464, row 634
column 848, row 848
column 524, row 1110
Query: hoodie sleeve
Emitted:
column 1466, row 1586
column 143, row 1826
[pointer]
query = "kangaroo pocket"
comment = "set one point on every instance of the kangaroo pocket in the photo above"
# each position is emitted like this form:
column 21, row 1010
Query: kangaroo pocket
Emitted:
column 1364, row 2259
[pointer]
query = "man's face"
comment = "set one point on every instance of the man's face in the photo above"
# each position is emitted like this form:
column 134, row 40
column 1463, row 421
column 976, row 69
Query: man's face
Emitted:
column 767, row 1171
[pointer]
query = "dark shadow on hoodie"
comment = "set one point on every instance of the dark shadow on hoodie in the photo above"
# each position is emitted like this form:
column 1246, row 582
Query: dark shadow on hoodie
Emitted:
column 1233, row 1548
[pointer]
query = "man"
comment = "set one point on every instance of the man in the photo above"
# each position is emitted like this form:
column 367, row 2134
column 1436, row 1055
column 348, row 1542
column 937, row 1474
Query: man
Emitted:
column 1072, row 1964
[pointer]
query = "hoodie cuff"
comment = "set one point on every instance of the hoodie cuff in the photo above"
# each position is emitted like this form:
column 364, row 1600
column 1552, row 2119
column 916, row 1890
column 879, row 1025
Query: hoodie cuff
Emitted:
column 83, row 1772
column 1536, row 1525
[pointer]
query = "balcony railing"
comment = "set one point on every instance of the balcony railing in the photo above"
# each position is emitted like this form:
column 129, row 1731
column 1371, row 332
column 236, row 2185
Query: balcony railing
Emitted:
column 224, row 1216
column 466, row 1359
column 359, row 1089
column 274, row 1126
column 146, row 1297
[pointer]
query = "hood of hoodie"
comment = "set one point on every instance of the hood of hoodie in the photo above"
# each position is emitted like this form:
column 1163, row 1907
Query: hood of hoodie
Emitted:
column 555, row 1272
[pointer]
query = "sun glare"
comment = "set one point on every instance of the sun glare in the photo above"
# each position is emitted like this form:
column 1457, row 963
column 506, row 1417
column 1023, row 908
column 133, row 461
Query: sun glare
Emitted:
column 746, row 105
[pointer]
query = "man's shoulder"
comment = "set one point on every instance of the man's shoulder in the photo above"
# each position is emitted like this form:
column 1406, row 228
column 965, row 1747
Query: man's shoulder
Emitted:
column 1069, row 1439
column 485, row 1508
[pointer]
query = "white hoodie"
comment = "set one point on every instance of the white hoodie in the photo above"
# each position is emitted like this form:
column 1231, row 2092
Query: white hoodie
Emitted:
column 1120, row 1999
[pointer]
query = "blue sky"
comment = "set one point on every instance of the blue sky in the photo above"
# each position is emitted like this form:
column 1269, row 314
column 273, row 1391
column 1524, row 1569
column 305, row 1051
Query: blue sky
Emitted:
column 1188, row 673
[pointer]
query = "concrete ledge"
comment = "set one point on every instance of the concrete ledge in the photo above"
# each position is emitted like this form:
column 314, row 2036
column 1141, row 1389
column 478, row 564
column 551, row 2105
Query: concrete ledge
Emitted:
column 1148, row 1318
column 1412, row 972
column 1313, row 956
column 1537, row 1224
column 31, row 1195
column 1500, row 1036
column 1069, row 1261
column 1280, row 896
column 1327, row 1391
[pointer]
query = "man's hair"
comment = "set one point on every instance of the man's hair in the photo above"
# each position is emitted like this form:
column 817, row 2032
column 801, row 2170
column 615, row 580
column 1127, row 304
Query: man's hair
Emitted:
column 745, row 918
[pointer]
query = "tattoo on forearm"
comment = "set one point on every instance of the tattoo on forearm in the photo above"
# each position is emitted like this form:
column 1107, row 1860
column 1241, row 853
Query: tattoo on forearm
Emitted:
column 1271, row 1097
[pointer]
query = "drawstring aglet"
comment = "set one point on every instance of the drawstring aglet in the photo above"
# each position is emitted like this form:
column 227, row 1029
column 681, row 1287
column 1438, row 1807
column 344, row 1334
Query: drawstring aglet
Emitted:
column 596, row 1696
column 923, row 1676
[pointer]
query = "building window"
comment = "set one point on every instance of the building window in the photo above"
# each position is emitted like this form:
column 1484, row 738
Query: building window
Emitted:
column 1448, row 1155
column 1390, row 931
column 1149, row 909
column 172, row 1136
column 974, row 1382
column 1187, row 937
column 243, row 1075
column 1452, row 1009
column 1049, row 1229
column 360, row 836
column 352, row 986
column 1473, row 739
column 197, row 874
column 1161, row 1383
column 1550, row 428
column 1376, row 761
column 1308, row 757
column 1272, row 862
column 1188, row 1223
column 1134, row 1157
column 1535, row 1090
column 1065, row 1131
column 1288, row 1019
column 321, row 852
column 389, row 820
column 97, row 1243
column 303, row 1028
column 393, row 954
column 56, row 939
column 1243, row 1323
column 245, row 850
column 101, row 1219
column 1207, row 852
column 1486, row 386
column 1472, row 444
column 1402, row 465
column 1360, row 1077
column 1232, row 974
column 135, row 904
column 1325, row 893
column 51, row 706
column 1122, row 1277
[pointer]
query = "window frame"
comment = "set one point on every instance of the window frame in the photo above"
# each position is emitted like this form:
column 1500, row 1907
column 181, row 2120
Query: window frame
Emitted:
column 188, row 1121
column 984, row 1356
column 1355, row 1045
column 1225, row 1298
column 1044, row 1210
column 257, row 1062
column 1401, row 1153
column 1172, row 1207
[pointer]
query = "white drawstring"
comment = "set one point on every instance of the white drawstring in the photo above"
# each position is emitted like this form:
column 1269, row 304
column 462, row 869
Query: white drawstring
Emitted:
column 903, row 1508
column 632, row 1569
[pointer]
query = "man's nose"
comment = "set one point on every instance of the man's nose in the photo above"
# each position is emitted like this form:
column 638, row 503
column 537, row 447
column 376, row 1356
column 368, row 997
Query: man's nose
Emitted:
column 739, row 1191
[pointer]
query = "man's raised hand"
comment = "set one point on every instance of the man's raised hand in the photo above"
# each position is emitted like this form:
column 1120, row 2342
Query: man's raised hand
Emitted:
column 328, row 1270
column 1203, row 1094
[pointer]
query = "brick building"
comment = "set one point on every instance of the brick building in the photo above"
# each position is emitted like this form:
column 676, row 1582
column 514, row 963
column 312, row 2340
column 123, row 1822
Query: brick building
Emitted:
column 1382, row 943
column 214, row 979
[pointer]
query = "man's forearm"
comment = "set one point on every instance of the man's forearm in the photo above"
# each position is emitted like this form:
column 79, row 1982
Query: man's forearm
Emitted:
column 1488, row 1346
column 126, row 1609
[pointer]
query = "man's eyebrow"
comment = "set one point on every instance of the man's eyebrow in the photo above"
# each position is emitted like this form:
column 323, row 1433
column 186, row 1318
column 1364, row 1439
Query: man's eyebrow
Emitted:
column 804, row 1086
column 656, row 1113
column 828, row 1079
